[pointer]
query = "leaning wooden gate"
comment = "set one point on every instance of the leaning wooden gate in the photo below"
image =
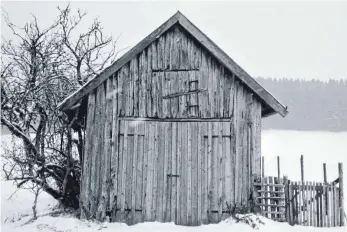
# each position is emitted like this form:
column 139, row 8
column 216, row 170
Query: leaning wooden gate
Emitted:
column 318, row 204
column 313, row 204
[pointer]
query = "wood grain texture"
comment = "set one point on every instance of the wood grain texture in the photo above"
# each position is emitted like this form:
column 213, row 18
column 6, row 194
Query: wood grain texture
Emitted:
column 87, row 159
column 183, row 57
column 207, row 133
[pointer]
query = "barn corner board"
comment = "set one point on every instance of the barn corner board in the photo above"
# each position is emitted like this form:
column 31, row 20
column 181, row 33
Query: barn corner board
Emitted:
column 172, row 131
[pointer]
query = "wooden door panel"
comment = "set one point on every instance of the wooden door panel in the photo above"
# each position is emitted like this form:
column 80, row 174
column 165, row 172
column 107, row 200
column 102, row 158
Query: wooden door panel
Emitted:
column 174, row 171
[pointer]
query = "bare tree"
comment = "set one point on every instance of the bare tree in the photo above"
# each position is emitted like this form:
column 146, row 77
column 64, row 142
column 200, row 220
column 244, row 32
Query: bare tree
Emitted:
column 86, row 51
column 39, row 68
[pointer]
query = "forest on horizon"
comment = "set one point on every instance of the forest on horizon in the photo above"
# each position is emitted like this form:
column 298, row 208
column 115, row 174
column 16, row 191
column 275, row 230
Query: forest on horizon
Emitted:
column 313, row 105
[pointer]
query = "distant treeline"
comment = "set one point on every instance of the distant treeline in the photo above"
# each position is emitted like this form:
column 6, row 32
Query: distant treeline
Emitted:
column 312, row 105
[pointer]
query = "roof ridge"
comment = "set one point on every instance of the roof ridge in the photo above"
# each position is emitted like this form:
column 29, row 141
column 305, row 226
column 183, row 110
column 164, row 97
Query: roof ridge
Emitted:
column 204, row 41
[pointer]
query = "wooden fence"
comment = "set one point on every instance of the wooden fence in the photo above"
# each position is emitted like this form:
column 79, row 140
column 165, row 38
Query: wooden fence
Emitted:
column 318, row 204
column 313, row 204
column 270, row 197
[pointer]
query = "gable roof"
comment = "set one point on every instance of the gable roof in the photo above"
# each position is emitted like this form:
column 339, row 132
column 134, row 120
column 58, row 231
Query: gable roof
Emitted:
column 272, row 105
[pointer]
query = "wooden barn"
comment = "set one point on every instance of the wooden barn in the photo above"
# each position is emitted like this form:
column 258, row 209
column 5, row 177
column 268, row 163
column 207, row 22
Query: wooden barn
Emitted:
column 173, row 131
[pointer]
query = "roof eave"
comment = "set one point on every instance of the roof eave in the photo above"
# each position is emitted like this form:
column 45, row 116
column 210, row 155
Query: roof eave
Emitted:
column 209, row 45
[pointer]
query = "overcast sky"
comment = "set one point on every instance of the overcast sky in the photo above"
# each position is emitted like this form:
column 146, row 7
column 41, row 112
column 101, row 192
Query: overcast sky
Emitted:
column 270, row 39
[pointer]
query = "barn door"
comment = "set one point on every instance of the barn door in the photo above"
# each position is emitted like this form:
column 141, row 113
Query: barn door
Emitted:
column 174, row 171
column 147, row 173
column 180, row 172
column 202, row 190
column 219, row 164
column 130, row 178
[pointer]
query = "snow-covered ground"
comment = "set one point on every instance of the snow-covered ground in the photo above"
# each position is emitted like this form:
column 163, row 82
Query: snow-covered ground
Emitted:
column 317, row 147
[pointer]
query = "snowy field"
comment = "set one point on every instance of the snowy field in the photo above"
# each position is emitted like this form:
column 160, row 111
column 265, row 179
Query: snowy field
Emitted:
column 317, row 147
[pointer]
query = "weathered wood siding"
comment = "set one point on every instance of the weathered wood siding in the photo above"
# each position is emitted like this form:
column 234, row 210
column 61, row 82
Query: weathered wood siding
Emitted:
column 171, row 136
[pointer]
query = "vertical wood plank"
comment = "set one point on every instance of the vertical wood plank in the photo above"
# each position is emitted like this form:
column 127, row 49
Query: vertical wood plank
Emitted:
column 337, row 211
column 214, row 110
column 306, row 207
column 160, row 52
column 144, row 205
column 154, row 93
column 114, row 148
column 300, row 213
column 215, row 185
column 175, row 172
column 139, row 172
column 175, row 87
column 220, row 170
column 149, row 188
column 93, row 184
column 221, row 93
column 311, row 199
column 236, row 138
column 272, row 202
column 106, row 152
column 124, row 170
column 190, row 58
column 291, row 203
column 315, row 206
column 194, row 172
column 174, row 51
column 189, row 174
column 209, row 171
column 329, row 205
column 228, row 190
column 148, row 74
column 210, row 87
column 127, row 74
column 179, row 170
column 324, row 212
column 154, row 55
column 168, row 41
column 184, row 167
column 120, row 90
column 167, row 170
column 200, row 164
column 183, row 51
column 119, row 213
column 141, row 85
column 160, row 87
column 99, row 150
column 129, row 172
column 88, row 155
column 135, row 161
column 287, row 200
column 205, row 176
column 203, row 82
column 165, row 91
column 160, row 172
column 155, row 171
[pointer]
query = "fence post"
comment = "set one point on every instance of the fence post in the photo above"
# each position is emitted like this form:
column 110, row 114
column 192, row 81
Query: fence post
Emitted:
column 291, row 203
column 278, row 168
column 302, row 168
column 326, row 194
column 325, row 173
column 341, row 197
column 262, row 167
column 286, row 200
